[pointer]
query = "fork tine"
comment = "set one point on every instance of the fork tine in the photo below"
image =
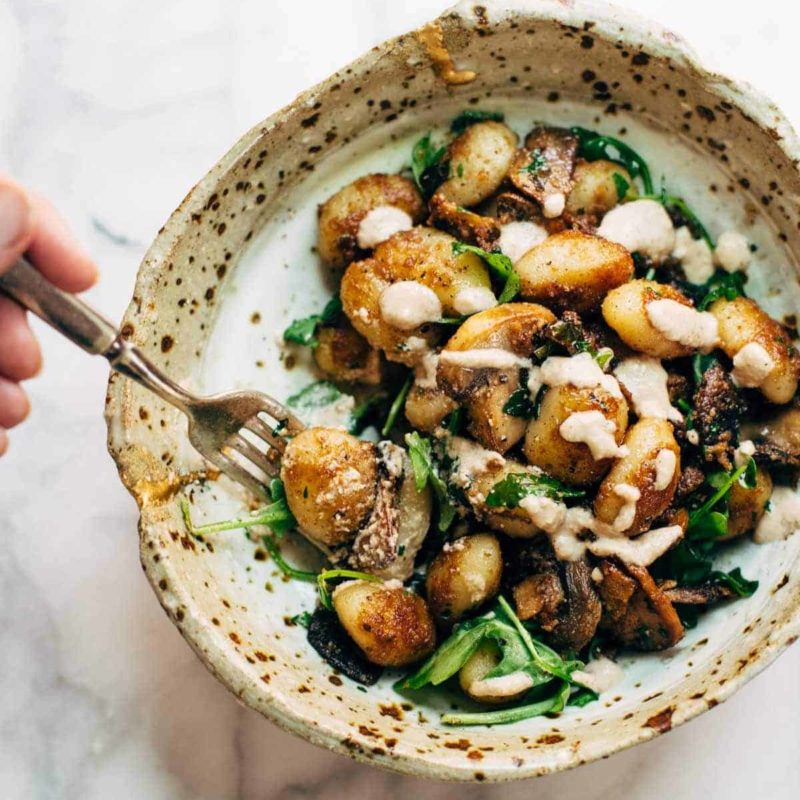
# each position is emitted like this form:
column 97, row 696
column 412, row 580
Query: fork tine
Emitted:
column 281, row 414
column 254, row 455
column 236, row 472
column 260, row 428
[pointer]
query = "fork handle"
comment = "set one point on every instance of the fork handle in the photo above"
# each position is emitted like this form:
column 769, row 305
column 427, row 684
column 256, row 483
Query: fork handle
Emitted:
column 84, row 326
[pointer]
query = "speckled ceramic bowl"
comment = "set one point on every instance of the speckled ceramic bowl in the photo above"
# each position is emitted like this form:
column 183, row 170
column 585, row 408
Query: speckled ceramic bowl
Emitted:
column 207, row 306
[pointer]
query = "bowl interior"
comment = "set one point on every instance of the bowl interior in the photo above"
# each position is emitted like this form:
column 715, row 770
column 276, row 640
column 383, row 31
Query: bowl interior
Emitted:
column 236, row 263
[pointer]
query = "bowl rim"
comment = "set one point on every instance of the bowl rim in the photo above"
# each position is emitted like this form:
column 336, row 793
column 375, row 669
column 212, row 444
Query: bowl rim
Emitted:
column 610, row 21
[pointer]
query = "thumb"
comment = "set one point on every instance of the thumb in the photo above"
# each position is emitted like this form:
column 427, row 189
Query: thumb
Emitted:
column 16, row 222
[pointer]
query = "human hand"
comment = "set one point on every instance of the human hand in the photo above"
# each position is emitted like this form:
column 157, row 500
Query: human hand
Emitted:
column 29, row 224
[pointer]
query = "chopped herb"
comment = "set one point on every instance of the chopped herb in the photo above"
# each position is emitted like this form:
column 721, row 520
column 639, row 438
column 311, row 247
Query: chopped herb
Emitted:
column 701, row 520
column 729, row 285
column 519, row 404
column 593, row 146
column 397, row 404
column 508, row 492
column 472, row 115
column 329, row 575
column 460, row 170
column 537, row 403
column 572, row 337
column 427, row 167
column 303, row 619
column 426, row 471
column 454, row 421
column 622, row 186
column 304, row 331
column 500, row 264
column 736, row 581
column 538, row 162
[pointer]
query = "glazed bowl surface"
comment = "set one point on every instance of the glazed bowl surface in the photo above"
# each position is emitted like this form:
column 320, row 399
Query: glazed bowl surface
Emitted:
column 235, row 263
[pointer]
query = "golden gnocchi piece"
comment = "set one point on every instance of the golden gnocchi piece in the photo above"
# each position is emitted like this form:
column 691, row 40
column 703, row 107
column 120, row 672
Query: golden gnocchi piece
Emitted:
column 572, row 462
column 426, row 407
column 479, row 160
column 624, row 309
column 743, row 322
column 484, row 390
column 463, row 576
column 595, row 189
column 747, row 506
column 330, row 479
column 344, row 355
column 341, row 215
column 652, row 467
column 573, row 271
column 390, row 625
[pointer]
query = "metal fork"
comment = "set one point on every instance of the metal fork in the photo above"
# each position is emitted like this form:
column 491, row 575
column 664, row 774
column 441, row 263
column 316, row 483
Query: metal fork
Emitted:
column 229, row 430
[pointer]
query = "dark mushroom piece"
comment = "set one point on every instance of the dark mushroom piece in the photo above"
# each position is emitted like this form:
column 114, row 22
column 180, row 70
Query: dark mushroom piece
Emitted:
column 465, row 225
column 717, row 408
column 635, row 611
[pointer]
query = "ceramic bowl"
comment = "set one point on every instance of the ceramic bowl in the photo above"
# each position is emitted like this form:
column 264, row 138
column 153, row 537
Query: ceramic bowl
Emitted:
column 233, row 264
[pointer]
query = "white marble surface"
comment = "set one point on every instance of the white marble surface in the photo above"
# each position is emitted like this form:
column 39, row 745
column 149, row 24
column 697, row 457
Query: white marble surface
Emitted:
column 113, row 110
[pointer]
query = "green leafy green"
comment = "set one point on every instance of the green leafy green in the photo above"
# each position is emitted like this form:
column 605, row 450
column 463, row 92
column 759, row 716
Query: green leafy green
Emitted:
column 538, row 162
column 397, row 404
column 519, row 404
column 551, row 675
column 593, row 146
column 304, row 331
column 508, row 492
column 280, row 562
column 316, row 395
column 330, row 575
column 454, row 421
column 699, row 526
column 582, row 697
column 426, row 471
column 303, row 619
column 472, row 115
column 622, row 186
column 572, row 337
column 501, row 265
column 736, row 581
column 729, row 285
column 427, row 167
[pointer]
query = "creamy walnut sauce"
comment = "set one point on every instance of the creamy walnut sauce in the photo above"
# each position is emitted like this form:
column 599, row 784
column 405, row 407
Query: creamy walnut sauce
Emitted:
column 684, row 324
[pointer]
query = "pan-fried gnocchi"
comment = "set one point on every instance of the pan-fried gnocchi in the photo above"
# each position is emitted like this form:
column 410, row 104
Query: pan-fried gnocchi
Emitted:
column 533, row 429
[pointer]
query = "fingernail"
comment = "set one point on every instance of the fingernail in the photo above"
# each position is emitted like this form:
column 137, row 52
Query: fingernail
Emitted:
column 16, row 215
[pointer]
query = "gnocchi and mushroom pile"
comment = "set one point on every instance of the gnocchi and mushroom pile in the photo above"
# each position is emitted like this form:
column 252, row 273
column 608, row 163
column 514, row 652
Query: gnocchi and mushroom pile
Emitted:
column 547, row 405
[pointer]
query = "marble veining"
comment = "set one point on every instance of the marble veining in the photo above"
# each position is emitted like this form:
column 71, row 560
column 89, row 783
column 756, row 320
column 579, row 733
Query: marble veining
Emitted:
column 113, row 110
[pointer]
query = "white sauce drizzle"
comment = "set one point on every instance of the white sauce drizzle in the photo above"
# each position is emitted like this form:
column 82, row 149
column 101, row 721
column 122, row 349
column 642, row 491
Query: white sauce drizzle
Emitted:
column 665, row 463
column 693, row 437
column 684, row 324
column 563, row 526
column 627, row 513
column 695, row 256
column 641, row 226
column 743, row 452
column 645, row 380
column 594, row 430
column 751, row 366
column 600, row 675
column 473, row 299
column 488, row 358
column 408, row 304
column 380, row 223
column 425, row 371
column 553, row 205
column 580, row 370
column 782, row 519
column 516, row 238
column 505, row 686
column 732, row 252
column 473, row 460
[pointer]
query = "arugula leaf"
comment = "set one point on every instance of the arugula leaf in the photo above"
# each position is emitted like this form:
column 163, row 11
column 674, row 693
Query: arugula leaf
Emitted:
column 593, row 146
column 538, row 162
column 426, row 471
column 454, row 421
column 397, row 404
column 303, row 619
column 472, row 115
column 699, row 526
column 582, row 697
column 328, row 575
column 679, row 207
column 729, row 285
column 500, row 264
column 736, row 581
column 316, row 395
column 304, row 331
column 508, row 492
column 280, row 562
column 550, row 705
column 427, row 167
column 519, row 403
column 622, row 186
